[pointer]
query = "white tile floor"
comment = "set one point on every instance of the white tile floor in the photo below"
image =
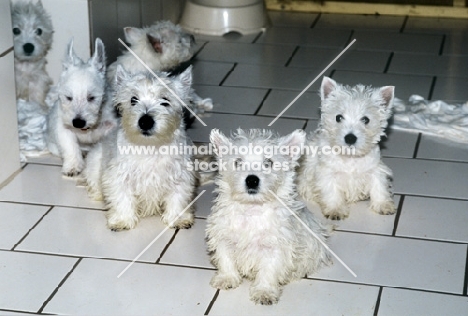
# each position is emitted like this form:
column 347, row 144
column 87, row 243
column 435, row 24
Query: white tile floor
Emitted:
column 57, row 256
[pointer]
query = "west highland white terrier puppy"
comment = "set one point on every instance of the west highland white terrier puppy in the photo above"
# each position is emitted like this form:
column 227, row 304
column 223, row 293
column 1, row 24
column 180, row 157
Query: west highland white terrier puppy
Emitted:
column 136, row 183
column 82, row 113
column 251, row 230
column 32, row 39
column 347, row 167
column 162, row 47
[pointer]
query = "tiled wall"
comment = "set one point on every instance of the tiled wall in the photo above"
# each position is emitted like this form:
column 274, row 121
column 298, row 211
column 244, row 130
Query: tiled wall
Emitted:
column 9, row 151
column 109, row 17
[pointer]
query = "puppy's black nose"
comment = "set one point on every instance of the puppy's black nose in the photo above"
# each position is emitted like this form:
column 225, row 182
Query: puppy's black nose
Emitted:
column 350, row 139
column 252, row 182
column 146, row 122
column 28, row 48
column 78, row 123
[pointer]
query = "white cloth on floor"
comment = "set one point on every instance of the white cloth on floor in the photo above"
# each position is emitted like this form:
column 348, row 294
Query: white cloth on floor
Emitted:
column 436, row 118
column 32, row 124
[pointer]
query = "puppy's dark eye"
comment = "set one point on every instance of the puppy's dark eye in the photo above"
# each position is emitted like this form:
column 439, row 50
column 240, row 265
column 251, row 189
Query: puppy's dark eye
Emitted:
column 91, row 98
column 365, row 120
column 133, row 100
column 16, row 31
column 69, row 98
column 267, row 163
column 165, row 102
column 339, row 118
column 39, row 31
column 237, row 162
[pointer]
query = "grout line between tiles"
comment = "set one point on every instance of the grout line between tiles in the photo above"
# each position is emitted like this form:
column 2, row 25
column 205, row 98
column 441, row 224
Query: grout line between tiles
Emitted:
column 442, row 44
column 257, row 37
column 167, row 245
column 377, row 303
column 21, row 312
column 227, row 75
column 292, row 55
column 403, row 26
column 43, row 164
column 465, row 283
column 34, row 226
column 48, row 205
column 215, row 296
column 198, row 51
column 389, row 61
column 263, row 100
column 60, row 285
column 431, row 90
column 398, row 214
column 416, row 146
column 166, row 264
column 317, row 18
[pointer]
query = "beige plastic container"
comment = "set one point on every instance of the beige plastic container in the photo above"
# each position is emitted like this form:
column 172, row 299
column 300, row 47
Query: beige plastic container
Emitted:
column 218, row 17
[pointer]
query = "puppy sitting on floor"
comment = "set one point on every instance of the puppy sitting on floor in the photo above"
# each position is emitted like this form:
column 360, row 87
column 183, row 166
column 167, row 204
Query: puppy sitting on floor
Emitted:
column 252, row 231
column 129, row 168
column 347, row 167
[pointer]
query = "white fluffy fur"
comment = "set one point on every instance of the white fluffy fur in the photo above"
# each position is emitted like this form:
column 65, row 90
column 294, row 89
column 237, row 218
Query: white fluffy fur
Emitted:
column 32, row 38
column 162, row 47
column 334, row 181
column 81, row 114
column 250, row 233
column 138, row 185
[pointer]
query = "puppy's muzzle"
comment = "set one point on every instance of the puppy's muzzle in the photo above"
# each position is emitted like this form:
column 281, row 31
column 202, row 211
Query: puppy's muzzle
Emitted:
column 28, row 48
column 350, row 139
column 146, row 123
column 252, row 182
column 79, row 123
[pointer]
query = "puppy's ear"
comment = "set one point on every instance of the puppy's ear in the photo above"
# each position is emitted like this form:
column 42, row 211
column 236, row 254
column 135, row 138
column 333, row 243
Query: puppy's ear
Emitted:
column 70, row 56
column 99, row 57
column 219, row 141
column 328, row 85
column 294, row 142
column 132, row 34
column 120, row 76
column 155, row 43
column 386, row 94
column 183, row 83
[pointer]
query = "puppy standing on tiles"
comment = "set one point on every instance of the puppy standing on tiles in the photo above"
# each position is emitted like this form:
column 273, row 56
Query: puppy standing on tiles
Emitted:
column 347, row 167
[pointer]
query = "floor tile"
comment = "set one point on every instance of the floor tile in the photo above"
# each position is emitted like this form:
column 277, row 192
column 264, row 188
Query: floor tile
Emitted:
column 434, row 25
column 17, row 220
column 247, row 53
column 418, row 64
column 46, row 160
column 311, row 126
column 456, row 43
column 232, row 99
column 398, row 42
column 397, row 262
column 204, row 203
column 398, row 144
column 291, row 19
column 438, row 148
column 305, row 37
column 351, row 21
column 405, row 85
column 304, row 297
column 361, row 219
column 84, row 233
column 210, row 73
column 415, row 303
column 228, row 123
column 430, row 218
column 40, row 184
column 29, row 279
column 423, row 177
column 452, row 90
column 307, row 106
column 189, row 248
column 144, row 289
column 351, row 60
column 270, row 77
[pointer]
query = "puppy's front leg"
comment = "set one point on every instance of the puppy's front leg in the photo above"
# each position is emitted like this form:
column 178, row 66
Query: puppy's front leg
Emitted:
column 73, row 162
column 381, row 200
column 228, row 276
column 175, row 203
column 265, row 289
column 331, row 199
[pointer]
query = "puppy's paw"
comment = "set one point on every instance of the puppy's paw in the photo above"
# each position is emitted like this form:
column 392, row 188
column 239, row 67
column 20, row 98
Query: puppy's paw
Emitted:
column 116, row 224
column 70, row 172
column 94, row 194
column 335, row 214
column 384, row 208
column 225, row 281
column 265, row 296
column 185, row 221
column 72, row 169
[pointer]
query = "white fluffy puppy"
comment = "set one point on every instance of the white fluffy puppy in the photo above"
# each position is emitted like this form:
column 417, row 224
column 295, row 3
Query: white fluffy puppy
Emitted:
column 130, row 169
column 81, row 114
column 252, row 231
column 348, row 167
